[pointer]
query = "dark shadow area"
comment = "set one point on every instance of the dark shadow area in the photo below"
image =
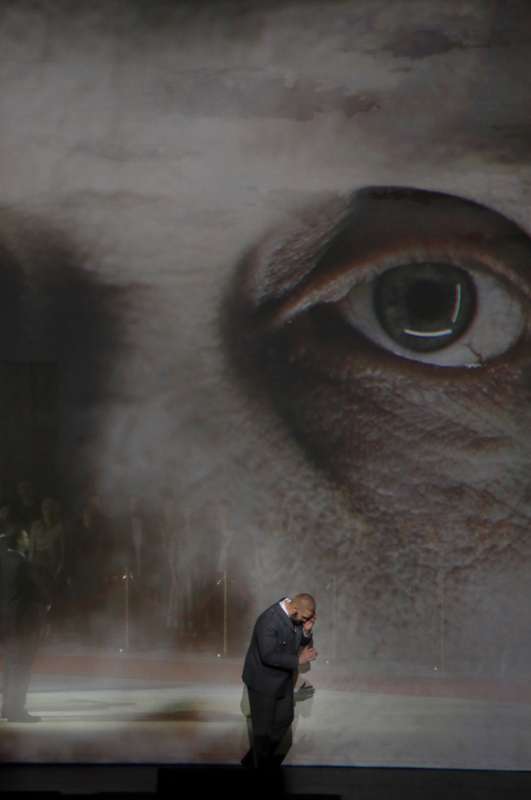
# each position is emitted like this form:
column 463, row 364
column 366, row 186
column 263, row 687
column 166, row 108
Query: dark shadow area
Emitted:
column 349, row 783
column 150, row 716
column 61, row 332
column 227, row 781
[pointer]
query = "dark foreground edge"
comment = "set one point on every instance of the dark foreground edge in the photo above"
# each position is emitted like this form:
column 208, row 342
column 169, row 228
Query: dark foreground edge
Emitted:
column 318, row 783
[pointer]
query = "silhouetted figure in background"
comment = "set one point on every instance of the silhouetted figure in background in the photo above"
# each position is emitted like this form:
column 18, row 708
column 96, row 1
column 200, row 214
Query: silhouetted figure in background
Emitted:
column 241, row 574
column 8, row 526
column 47, row 546
column 26, row 506
column 91, row 560
column 189, row 598
column 170, row 530
column 47, row 550
column 24, row 600
column 137, row 546
column 148, row 563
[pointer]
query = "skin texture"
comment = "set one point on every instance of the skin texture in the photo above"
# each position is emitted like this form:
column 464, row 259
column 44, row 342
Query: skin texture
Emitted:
column 174, row 173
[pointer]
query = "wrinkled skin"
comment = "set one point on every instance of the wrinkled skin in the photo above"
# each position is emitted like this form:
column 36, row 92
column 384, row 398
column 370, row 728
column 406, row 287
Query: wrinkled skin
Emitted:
column 174, row 174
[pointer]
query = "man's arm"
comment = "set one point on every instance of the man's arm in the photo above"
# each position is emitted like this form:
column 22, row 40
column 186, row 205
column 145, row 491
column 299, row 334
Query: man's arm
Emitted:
column 269, row 648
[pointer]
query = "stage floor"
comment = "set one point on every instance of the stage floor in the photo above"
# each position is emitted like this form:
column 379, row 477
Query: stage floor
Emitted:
column 100, row 719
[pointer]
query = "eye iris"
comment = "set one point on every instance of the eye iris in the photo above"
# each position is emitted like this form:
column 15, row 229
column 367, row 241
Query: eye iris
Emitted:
column 424, row 307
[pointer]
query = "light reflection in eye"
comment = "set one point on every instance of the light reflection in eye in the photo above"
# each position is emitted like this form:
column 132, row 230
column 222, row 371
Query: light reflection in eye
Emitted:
column 437, row 313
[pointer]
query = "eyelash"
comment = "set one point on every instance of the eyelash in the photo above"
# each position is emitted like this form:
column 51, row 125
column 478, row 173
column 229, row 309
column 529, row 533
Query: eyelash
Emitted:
column 338, row 287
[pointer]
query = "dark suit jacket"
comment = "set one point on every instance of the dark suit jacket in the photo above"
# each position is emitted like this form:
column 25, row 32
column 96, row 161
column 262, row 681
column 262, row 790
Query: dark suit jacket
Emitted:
column 23, row 595
column 272, row 657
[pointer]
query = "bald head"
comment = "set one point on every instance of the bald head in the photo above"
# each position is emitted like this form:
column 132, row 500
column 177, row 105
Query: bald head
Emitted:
column 304, row 601
column 301, row 608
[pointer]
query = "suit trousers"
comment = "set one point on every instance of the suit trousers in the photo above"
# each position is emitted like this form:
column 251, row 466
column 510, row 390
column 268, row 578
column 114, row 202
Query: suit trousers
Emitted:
column 271, row 718
column 19, row 652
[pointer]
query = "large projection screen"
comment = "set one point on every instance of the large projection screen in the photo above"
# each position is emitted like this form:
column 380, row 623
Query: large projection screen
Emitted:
column 278, row 256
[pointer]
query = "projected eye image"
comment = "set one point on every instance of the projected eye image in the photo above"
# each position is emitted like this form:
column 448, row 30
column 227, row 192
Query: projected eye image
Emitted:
column 265, row 384
column 423, row 309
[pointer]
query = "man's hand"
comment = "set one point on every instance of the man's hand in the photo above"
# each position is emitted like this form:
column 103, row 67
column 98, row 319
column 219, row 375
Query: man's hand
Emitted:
column 308, row 625
column 307, row 654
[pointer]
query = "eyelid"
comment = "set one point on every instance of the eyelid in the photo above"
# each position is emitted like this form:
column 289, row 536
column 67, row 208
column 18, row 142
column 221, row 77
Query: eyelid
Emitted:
column 334, row 284
column 380, row 228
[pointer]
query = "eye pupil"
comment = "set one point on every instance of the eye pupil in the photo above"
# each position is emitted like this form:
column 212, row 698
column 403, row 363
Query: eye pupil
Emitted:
column 428, row 301
column 424, row 306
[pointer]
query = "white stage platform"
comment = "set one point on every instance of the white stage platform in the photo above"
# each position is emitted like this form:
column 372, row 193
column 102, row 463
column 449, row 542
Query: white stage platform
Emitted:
column 127, row 721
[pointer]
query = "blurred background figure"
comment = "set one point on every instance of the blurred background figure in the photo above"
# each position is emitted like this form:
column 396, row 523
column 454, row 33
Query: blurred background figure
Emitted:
column 149, row 570
column 180, row 616
column 47, row 545
column 137, row 539
column 170, row 534
column 47, row 554
column 7, row 525
column 172, row 547
column 90, row 556
column 26, row 506
column 138, row 565
column 24, row 601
